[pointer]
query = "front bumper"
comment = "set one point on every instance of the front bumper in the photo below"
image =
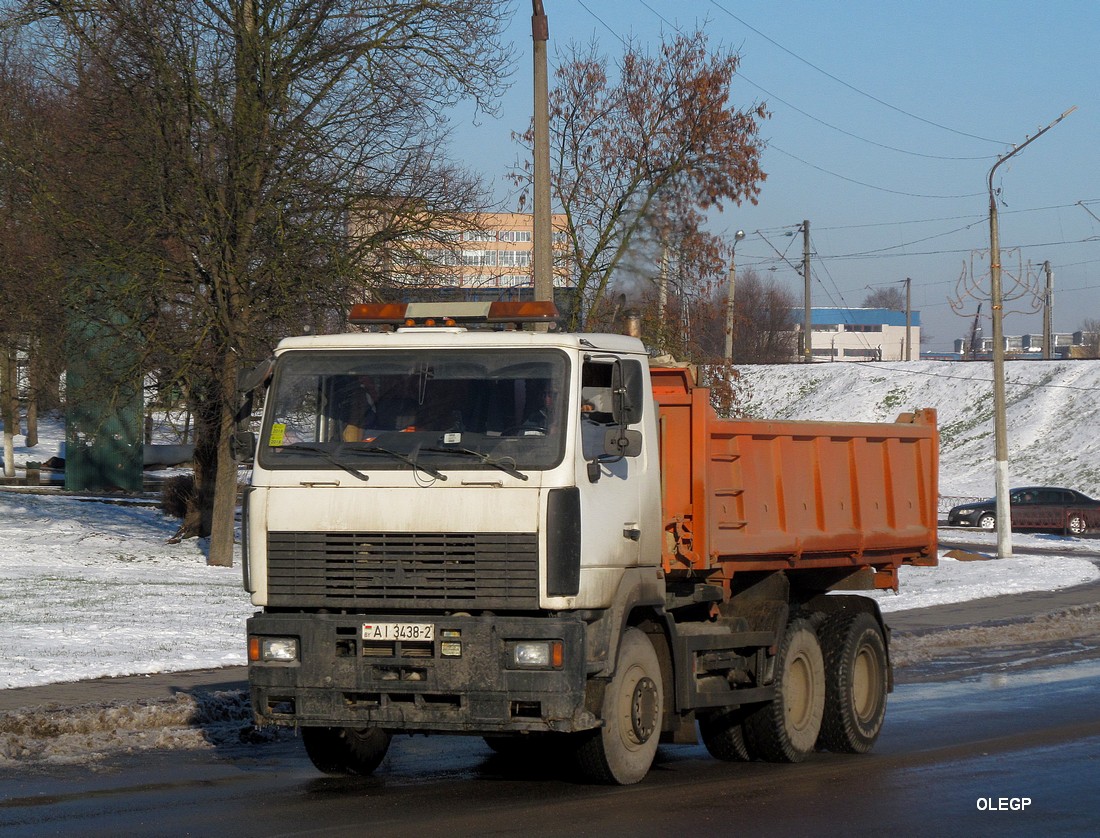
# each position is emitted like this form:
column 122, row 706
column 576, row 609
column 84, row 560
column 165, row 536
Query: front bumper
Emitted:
column 342, row 680
column 968, row 520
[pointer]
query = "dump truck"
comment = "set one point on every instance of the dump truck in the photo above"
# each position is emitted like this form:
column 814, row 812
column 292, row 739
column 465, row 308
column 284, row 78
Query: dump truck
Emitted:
column 551, row 541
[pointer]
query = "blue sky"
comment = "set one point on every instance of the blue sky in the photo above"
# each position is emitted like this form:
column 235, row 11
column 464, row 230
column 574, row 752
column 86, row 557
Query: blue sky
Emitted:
column 919, row 100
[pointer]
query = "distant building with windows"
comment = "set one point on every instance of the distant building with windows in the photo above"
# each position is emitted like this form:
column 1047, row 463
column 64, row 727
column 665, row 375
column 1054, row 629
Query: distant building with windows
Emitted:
column 485, row 252
column 1078, row 344
column 858, row 334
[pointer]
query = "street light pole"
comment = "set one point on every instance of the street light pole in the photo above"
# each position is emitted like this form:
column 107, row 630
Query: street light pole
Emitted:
column 740, row 234
column 1000, row 427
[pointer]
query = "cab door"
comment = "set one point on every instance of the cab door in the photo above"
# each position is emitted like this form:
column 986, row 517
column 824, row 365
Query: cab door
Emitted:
column 610, row 486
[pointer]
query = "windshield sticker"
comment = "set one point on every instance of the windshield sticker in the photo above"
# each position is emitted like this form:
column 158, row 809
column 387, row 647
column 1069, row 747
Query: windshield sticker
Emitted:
column 278, row 434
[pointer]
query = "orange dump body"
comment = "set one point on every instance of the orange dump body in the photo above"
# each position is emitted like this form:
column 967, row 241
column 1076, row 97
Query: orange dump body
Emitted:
column 834, row 499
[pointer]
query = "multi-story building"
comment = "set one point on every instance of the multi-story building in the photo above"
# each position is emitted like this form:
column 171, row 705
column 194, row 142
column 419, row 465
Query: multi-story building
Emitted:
column 485, row 252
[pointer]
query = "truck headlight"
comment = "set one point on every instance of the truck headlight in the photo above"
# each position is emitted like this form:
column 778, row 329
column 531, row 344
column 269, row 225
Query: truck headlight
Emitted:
column 538, row 654
column 272, row 649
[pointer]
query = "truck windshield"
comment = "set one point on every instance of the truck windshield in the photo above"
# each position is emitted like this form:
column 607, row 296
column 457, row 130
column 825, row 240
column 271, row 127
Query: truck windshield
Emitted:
column 431, row 410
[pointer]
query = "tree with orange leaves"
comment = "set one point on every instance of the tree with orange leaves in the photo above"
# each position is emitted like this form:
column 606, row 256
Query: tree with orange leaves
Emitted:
column 638, row 160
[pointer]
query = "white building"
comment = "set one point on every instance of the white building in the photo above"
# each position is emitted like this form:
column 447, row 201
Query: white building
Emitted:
column 860, row 334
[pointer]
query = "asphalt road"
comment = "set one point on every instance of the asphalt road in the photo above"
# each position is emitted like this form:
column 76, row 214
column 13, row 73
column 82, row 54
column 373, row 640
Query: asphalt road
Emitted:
column 998, row 747
column 949, row 752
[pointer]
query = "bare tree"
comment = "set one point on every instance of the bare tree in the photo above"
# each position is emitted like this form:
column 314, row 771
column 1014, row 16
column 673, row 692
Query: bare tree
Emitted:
column 764, row 318
column 256, row 133
column 638, row 159
column 29, row 290
column 1090, row 333
column 889, row 297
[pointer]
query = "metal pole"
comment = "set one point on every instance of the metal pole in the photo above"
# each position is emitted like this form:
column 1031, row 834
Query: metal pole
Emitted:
column 1000, row 429
column 908, row 319
column 542, row 234
column 1048, row 314
column 807, row 347
column 740, row 234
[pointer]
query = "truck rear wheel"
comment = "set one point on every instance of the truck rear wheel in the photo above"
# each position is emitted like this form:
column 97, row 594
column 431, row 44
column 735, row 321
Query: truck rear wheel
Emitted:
column 786, row 728
column 856, row 680
column 723, row 733
column 622, row 750
column 345, row 750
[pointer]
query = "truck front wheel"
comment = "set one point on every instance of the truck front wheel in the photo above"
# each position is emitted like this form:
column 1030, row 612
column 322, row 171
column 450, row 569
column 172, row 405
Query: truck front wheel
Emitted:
column 786, row 728
column 345, row 750
column 622, row 750
column 856, row 680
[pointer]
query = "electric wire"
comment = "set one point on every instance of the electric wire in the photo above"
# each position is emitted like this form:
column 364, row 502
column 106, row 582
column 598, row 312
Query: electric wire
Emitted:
column 852, row 87
column 869, row 185
column 847, row 133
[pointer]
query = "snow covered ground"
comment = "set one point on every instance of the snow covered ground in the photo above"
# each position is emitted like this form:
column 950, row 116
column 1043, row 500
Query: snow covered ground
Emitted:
column 89, row 589
column 1051, row 413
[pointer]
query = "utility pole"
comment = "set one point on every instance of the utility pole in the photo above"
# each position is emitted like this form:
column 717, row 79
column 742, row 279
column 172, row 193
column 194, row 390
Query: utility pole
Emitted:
column 1048, row 314
column 740, row 234
column 662, row 301
column 807, row 343
column 1000, row 428
column 908, row 319
column 542, row 235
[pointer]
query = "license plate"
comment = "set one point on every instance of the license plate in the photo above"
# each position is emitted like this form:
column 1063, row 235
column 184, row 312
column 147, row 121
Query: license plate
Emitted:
column 399, row 631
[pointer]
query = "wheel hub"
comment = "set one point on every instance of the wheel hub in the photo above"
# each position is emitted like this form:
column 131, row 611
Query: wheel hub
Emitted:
column 643, row 709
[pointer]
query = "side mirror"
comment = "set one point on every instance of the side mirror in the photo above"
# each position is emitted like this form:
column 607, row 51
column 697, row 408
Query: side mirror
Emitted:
column 627, row 392
column 620, row 442
column 242, row 446
column 260, row 374
column 247, row 384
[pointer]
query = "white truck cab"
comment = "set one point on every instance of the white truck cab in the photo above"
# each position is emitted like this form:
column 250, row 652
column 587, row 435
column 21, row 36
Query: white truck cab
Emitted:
column 436, row 520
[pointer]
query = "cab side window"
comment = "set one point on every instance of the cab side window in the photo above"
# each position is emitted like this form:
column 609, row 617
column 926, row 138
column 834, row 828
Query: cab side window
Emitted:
column 596, row 410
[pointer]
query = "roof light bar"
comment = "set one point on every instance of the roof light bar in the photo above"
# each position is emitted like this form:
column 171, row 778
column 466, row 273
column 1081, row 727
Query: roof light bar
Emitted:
column 450, row 314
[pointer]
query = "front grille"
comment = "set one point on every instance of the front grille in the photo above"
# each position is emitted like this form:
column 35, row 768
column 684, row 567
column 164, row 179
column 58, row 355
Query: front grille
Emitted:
column 422, row 570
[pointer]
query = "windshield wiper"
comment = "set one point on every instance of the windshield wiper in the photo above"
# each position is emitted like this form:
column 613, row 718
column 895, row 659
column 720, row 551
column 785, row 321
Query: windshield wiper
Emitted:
column 502, row 464
column 378, row 449
column 327, row 455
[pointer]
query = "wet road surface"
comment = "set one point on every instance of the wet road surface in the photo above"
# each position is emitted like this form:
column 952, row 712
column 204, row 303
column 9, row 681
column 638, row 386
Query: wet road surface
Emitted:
column 993, row 745
column 953, row 759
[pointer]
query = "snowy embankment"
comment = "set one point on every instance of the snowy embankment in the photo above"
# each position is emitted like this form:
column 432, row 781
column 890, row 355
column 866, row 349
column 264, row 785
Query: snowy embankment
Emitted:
column 1052, row 412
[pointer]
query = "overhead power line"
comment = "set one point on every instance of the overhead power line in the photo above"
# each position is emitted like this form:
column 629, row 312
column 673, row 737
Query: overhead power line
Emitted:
column 868, row 185
column 852, row 87
column 857, row 136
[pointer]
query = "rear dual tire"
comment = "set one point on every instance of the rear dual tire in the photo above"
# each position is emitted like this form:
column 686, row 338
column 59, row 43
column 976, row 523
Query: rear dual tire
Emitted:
column 856, row 683
column 786, row 728
column 831, row 688
column 723, row 733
